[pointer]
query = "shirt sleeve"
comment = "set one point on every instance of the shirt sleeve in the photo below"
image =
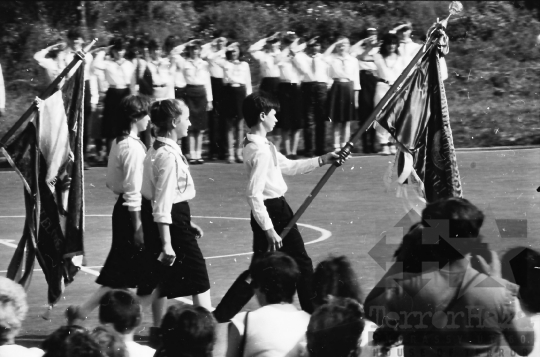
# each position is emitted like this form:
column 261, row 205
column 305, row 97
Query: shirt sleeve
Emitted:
column 2, row 90
column 256, row 49
column 132, row 162
column 249, row 89
column 295, row 167
column 165, row 187
column 207, row 83
column 355, row 73
column 94, row 90
column 44, row 62
column 254, row 192
column 99, row 61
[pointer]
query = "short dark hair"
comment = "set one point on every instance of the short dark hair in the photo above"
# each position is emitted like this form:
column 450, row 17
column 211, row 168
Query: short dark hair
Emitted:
column 111, row 342
column 335, row 328
column 153, row 44
column 257, row 103
column 170, row 43
column 288, row 39
column 464, row 221
column 131, row 108
column 68, row 341
column 53, row 344
column 388, row 39
column 117, row 44
column 335, row 277
column 164, row 113
column 521, row 265
column 276, row 275
column 74, row 34
column 188, row 331
column 228, row 54
column 122, row 309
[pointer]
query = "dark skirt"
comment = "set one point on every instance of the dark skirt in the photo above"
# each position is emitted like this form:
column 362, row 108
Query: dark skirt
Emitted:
column 290, row 107
column 127, row 266
column 233, row 98
column 217, row 93
column 110, row 111
column 196, row 101
column 188, row 275
column 269, row 85
column 180, row 93
column 340, row 102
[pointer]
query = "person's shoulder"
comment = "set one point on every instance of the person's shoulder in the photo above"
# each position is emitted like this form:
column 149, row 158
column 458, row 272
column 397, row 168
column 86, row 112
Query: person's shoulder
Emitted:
column 137, row 350
column 20, row 351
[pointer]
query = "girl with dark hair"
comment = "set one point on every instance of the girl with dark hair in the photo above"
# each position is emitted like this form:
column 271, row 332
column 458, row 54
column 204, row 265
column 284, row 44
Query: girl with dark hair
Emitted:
column 120, row 74
column 187, row 331
column 390, row 64
column 127, row 264
column 343, row 95
column 167, row 187
column 198, row 95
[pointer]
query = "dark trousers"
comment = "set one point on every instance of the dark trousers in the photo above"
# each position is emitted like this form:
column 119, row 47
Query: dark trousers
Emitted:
column 241, row 291
column 314, row 108
column 216, row 135
column 87, row 117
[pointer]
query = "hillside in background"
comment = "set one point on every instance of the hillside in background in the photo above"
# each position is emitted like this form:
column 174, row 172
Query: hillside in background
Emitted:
column 494, row 64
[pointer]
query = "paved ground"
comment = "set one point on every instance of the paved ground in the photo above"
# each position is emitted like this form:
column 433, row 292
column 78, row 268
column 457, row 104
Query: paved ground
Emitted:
column 347, row 217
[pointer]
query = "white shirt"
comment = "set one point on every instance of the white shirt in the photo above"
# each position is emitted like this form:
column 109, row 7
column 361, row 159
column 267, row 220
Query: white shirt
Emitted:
column 196, row 73
column 162, row 75
column 166, row 179
column 287, row 71
column 119, row 74
column 125, row 170
column 179, row 79
column 212, row 57
column 273, row 330
column 313, row 68
column 267, row 61
column 408, row 49
column 136, row 350
column 389, row 68
column 237, row 72
column 264, row 166
column 345, row 67
column 20, row 351
column 2, row 90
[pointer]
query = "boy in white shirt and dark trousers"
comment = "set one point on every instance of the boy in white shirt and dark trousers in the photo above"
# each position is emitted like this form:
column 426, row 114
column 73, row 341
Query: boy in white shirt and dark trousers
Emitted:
column 270, row 212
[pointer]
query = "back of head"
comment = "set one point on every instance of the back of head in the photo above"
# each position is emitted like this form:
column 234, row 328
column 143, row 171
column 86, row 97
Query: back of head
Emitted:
column 111, row 342
column 335, row 328
column 275, row 275
column 117, row 44
column 121, row 309
column 74, row 34
column 463, row 220
column 289, row 38
column 13, row 309
column 163, row 113
column 257, row 103
column 53, row 345
column 188, row 331
column 170, row 42
column 71, row 341
column 131, row 109
column 334, row 277
column 153, row 44
column 521, row 265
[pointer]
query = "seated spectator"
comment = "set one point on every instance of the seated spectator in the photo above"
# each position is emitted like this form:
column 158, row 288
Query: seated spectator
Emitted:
column 449, row 308
column 334, row 277
column 335, row 328
column 278, row 326
column 71, row 341
column 521, row 265
column 121, row 309
column 187, row 331
column 13, row 310
column 111, row 342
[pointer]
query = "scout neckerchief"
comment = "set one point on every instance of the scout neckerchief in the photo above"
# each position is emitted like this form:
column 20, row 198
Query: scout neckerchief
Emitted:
column 272, row 148
column 158, row 144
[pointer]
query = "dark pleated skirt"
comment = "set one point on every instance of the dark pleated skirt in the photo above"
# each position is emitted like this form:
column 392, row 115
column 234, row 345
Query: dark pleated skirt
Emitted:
column 233, row 98
column 127, row 266
column 269, row 85
column 195, row 98
column 290, row 107
column 110, row 111
column 188, row 275
column 180, row 93
column 340, row 102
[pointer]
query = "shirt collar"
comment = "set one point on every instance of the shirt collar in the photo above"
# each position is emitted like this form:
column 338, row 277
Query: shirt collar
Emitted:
column 170, row 142
column 257, row 139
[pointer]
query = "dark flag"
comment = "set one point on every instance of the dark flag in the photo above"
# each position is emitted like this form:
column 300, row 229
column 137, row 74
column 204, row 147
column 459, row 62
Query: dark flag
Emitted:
column 417, row 117
column 47, row 155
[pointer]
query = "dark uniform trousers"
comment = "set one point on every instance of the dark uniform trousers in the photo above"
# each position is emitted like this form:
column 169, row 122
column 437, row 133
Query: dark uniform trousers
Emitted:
column 241, row 291
column 314, row 108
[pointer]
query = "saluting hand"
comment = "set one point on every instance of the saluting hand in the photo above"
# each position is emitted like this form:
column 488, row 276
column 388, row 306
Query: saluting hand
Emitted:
column 274, row 240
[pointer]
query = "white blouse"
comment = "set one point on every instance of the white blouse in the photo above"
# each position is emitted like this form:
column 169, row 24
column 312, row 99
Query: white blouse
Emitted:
column 267, row 61
column 389, row 68
column 212, row 57
column 166, row 179
column 264, row 166
column 345, row 67
column 179, row 79
column 237, row 72
column 287, row 71
column 196, row 73
column 119, row 74
column 162, row 77
column 313, row 68
column 125, row 170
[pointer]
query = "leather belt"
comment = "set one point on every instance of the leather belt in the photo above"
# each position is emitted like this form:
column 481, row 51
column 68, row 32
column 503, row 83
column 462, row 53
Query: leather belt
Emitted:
column 117, row 87
column 159, row 85
column 236, row 85
column 343, row 80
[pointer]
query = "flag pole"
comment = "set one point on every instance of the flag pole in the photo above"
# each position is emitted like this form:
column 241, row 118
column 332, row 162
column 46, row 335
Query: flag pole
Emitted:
column 345, row 151
column 47, row 92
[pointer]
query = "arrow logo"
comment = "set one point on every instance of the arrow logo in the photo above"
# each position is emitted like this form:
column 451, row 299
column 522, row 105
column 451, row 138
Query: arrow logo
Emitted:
column 382, row 252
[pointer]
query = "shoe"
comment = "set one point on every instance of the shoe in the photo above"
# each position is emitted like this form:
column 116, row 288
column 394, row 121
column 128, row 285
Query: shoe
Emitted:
column 200, row 161
column 385, row 150
column 393, row 149
column 230, row 160
column 73, row 313
column 239, row 160
column 154, row 338
column 192, row 161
